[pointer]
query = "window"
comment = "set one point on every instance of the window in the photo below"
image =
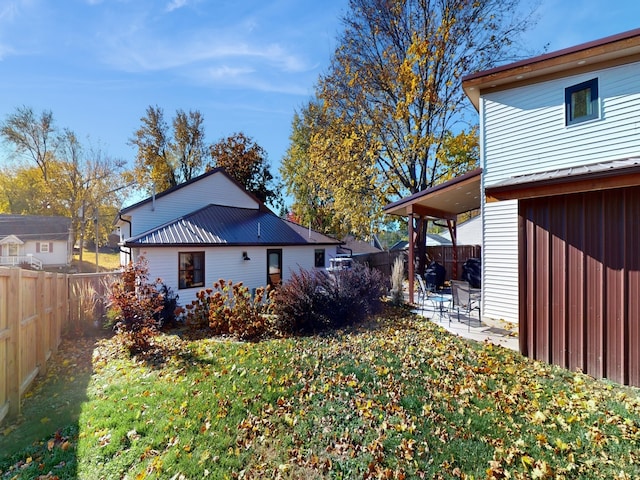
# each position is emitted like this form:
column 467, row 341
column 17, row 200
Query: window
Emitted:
column 274, row 266
column 581, row 102
column 190, row 269
column 319, row 258
column 44, row 247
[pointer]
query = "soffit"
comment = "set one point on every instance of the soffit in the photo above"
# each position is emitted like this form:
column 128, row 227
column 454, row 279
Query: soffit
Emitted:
column 444, row 201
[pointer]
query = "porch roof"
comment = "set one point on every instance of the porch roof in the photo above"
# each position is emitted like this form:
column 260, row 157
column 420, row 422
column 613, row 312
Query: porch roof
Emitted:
column 444, row 201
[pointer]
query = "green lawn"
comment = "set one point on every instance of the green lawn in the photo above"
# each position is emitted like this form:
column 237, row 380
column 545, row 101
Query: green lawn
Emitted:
column 399, row 398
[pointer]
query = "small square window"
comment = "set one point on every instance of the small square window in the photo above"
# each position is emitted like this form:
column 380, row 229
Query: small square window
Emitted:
column 44, row 247
column 319, row 258
column 190, row 269
column 581, row 102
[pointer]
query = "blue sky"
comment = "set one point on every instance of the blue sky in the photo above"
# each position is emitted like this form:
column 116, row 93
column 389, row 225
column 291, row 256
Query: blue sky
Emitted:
column 246, row 65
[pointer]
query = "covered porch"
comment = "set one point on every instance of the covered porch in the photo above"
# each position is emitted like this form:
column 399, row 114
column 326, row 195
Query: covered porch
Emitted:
column 443, row 202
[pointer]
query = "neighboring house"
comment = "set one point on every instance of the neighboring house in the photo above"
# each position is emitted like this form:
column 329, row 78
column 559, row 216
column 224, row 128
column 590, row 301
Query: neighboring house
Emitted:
column 34, row 240
column 211, row 228
column 468, row 232
column 354, row 246
column 559, row 189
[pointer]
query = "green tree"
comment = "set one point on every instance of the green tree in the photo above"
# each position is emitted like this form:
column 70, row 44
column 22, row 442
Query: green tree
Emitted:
column 246, row 161
column 167, row 158
column 311, row 205
column 33, row 137
column 23, row 191
column 392, row 97
column 89, row 188
column 68, row 179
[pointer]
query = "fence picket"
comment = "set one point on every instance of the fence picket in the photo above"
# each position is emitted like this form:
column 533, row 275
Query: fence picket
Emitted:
column 35, row 308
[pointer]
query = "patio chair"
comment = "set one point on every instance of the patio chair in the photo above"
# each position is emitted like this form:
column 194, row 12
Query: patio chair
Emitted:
column 464, row 300
column 428, row 294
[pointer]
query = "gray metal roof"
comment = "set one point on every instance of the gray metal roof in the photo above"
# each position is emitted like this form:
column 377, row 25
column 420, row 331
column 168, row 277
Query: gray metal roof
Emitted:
column 564, row 174
column 222, row 225
column 35, row 227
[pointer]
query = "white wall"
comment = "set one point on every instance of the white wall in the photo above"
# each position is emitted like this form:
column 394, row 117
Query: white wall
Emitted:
column 227, row 263
column 523, row 131
column 58, row 257
column 213, row 189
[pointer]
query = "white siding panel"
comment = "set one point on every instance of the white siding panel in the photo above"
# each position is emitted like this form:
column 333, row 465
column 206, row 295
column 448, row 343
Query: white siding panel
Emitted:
column 525, row 132
column 214, row 189
column 227, row 263
column 500, row 261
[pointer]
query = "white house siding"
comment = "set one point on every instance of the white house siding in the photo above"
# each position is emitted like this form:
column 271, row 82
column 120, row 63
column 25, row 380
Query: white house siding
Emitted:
column 213, row 189
column 59, row 256
column 500, row 261
column 227, row 263
column 523, row 132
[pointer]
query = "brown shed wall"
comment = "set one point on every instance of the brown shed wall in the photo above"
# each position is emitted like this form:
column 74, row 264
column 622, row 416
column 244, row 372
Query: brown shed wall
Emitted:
column 580, row 282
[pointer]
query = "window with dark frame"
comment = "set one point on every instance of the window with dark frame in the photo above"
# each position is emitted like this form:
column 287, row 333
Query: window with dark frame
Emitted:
column 581, row 102
column 190, row 269
column 319, row 258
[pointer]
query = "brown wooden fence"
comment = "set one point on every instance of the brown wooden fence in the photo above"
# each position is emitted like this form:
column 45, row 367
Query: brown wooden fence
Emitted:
column 35, row 309
column 443, row 254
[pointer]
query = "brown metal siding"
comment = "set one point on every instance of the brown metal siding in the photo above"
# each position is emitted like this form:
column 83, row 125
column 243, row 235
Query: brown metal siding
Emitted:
column 580, row 282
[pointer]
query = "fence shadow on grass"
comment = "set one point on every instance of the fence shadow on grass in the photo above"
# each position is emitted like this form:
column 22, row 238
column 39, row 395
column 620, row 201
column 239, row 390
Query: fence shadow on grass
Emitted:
column 52, row 407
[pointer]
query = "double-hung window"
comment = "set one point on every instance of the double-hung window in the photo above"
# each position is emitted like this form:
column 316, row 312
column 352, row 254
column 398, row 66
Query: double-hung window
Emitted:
column 190, row 269
column 581, row 102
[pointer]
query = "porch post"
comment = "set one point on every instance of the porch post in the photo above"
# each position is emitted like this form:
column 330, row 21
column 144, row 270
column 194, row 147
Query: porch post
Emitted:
column 451, row 224
column 411, row 255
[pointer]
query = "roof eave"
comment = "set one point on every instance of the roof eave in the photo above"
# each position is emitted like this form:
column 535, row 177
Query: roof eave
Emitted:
column 609, row 51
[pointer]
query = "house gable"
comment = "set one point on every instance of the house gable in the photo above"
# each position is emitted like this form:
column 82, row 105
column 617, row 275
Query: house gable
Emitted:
column 213, row 187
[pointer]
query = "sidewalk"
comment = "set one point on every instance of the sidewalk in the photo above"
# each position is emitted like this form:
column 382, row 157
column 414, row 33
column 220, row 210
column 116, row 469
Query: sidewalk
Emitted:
column 475, row 330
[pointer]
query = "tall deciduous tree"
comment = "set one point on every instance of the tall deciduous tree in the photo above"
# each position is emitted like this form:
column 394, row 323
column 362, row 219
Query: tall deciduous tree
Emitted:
column 247, row 163
column 33, row 136
column 89, row 188
column 393, row 96
column 68, row 178
column 312, row 205
column 167, row 158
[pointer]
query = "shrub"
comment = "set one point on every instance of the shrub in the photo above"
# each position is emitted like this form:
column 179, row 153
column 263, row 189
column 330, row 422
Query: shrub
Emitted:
column 134, row 303
column 230, row 309
column 313, row 300
column 167, row 317
column 301, row 303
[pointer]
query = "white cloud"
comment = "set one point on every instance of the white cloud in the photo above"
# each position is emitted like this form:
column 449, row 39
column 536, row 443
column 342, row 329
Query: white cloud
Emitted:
column 226, row 72
column 175, row 5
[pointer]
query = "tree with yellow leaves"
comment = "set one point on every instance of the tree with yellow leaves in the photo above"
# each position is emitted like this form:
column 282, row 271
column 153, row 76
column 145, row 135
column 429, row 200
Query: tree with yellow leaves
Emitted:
column 391, row 119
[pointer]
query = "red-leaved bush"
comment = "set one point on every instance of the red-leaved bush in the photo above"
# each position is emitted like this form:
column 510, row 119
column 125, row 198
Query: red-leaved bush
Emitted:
column 230, row 309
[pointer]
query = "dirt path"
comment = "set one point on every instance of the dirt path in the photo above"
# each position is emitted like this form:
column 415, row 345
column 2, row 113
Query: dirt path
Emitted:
column 55, row 401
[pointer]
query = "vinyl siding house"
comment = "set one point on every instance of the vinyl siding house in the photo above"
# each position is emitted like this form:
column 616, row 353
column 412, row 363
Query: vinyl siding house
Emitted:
column 35, row 240
column 210, row 228
column 560, row 157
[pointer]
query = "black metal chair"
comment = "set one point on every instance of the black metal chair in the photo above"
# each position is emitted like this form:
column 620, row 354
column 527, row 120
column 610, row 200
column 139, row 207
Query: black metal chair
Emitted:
column 464, row 300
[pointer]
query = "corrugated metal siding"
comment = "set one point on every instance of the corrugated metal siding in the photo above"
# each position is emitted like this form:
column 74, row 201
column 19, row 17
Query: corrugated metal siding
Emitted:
column 524, row 128
column 580, row 282
column 500, row 261
column 523, row 131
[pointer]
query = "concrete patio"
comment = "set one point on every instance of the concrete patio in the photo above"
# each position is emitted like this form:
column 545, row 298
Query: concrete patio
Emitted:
column 468, row 326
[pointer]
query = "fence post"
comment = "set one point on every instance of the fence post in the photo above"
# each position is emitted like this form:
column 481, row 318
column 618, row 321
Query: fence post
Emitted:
column 41, row 328
column 14, row 316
